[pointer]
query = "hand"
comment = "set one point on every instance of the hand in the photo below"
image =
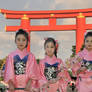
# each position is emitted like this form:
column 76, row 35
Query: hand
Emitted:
column 45, row 85
column 27, row 87
column 11, row 86
column 59, row 78
column 79, row 59
column 35, row 90
column 82, row 69
column 53, row 81
column 68, row 64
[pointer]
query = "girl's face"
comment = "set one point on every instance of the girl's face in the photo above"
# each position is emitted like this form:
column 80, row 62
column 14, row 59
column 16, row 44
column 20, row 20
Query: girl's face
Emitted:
column 50, row 49
column 21, row 41
column 88, row 43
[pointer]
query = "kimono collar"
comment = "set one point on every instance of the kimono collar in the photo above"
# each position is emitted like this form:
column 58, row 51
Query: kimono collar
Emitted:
column 23, row 53
column 86, row 51
column 88, row 55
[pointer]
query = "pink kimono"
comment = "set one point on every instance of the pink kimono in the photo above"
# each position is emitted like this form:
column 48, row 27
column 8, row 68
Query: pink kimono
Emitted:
column 49, row 70
column 85, row 78
column 20, row 67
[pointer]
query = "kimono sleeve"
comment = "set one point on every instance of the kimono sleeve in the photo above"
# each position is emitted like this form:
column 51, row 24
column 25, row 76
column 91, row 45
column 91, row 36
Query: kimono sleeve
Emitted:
column 64, row 72
column 80, row 54
column 42, row 76
column 33, row 69
column 76, row 64
column 9, row 70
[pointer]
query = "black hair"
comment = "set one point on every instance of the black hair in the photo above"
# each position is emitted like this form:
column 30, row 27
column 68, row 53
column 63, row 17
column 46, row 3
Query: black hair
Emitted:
column 53, row 41
column 23, row 32
column 87, row 35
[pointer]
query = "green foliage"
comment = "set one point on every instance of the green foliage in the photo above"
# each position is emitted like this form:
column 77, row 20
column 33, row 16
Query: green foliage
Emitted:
column 70, row 72
column 38, row 60
column 1, row 78
column 82, row 47
column 73, row 51
column 2, row 62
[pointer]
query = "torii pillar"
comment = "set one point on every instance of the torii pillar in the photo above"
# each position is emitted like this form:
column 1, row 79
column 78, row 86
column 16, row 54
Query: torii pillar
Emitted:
column 80, row 24
column 25, row 23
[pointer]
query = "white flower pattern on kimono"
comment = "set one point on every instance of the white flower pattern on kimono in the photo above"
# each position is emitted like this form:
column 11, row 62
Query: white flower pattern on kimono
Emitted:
column 19, row 68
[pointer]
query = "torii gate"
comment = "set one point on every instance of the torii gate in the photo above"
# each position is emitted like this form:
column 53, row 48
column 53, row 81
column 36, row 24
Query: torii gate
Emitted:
column 26, row 16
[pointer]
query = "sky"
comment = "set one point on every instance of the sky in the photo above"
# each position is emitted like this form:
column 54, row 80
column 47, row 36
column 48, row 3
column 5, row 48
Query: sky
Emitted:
column 65, row 39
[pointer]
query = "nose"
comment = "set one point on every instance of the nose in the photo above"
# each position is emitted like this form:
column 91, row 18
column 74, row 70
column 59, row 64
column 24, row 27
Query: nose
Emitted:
column 49, row 49
column 21, row 41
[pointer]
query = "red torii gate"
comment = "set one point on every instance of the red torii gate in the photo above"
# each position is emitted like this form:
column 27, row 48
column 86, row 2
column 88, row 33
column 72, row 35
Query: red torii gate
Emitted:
column 52, row 15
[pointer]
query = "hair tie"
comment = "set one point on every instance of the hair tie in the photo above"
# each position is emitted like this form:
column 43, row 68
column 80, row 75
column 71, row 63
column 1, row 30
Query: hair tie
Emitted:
column 45, row 39
column 56, row 45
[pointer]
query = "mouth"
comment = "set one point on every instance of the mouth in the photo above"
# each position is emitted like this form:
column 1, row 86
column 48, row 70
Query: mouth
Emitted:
column 89, row 46
column 21, row 45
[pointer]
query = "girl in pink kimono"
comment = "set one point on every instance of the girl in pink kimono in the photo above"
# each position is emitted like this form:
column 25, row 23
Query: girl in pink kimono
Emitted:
column 53, row 77
column 21, row 70
column 85, row 70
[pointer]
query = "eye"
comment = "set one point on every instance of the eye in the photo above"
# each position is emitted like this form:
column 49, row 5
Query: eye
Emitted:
column 18, row 39
column 47, row 46
column 24, row 39
column 52, row 46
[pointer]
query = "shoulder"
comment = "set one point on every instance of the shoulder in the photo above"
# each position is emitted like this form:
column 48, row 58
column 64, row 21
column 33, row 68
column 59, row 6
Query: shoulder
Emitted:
column 44, row 60
column 31, row 55
column 11, row 55
column 59, row 60
column 81, row 53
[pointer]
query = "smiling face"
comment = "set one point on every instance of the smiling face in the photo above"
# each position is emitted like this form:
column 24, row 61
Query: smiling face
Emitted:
column 21, row 41
column 88, row 43
column 49, row 49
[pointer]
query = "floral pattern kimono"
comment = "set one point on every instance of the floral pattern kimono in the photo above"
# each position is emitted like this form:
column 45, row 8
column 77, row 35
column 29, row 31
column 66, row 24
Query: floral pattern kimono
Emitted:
column 85, row 78
column 49, row 68
column 20, row 67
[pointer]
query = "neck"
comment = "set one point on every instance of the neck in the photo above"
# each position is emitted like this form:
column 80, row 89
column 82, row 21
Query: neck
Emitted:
column 51, row 56
column 21, row 49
